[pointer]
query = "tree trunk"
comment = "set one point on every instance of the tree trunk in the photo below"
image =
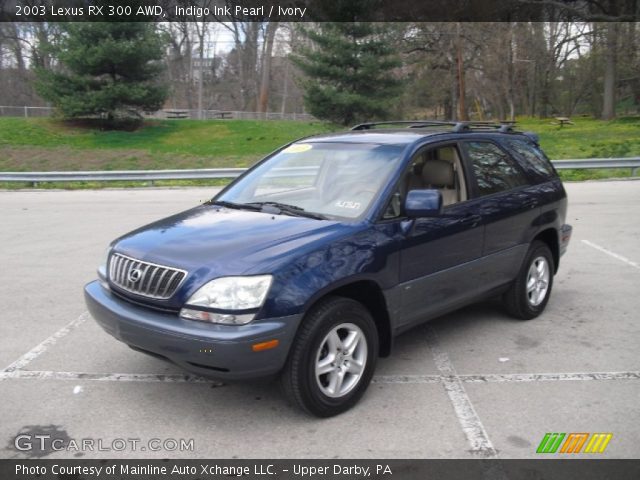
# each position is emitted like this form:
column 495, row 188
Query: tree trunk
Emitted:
column 454, row 96
column 201, row 32
column 200, row 76
column 246, row 41
column 510, row 74
column 544, row 61
column 17, row 48
column 532, row 89
column 462, row 108
column 263, row 102
column 189, row 83
column 285, row 86
column 610, row 72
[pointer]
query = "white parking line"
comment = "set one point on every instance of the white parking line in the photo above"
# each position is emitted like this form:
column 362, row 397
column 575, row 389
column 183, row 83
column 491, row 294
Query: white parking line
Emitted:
column 43, row 346
column 511, row 377
column 379, row 379
column 469, row 420
column 612, row 254
column 407, row 379
column 549, row 377
column 107, row 377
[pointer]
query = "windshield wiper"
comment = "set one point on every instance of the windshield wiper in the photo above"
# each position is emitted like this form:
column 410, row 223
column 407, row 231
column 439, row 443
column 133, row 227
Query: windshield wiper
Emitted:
column 257, row 206
column 289, row 209
column 239, row 206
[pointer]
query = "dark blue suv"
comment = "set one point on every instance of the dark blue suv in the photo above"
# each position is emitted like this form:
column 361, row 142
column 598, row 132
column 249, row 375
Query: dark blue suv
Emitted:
column 312, row 261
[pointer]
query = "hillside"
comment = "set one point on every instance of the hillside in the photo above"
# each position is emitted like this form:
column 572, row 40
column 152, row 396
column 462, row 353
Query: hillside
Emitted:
column 42, row 144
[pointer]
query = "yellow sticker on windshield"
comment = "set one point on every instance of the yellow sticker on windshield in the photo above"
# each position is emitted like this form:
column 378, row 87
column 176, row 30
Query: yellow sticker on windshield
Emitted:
column 297, row 148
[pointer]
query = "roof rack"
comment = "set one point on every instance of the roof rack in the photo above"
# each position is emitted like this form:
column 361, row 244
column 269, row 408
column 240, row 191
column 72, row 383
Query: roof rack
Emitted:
column 503, row 126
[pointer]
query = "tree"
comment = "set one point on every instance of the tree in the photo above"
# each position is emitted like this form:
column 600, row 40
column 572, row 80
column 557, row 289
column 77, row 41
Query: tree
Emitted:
column 107, row 69
column 350, row 71
column 265, row 74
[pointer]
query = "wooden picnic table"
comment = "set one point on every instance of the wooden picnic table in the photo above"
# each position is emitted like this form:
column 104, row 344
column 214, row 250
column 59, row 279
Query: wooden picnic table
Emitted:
column 562, row 121
column 222, row 115
column 177, row 113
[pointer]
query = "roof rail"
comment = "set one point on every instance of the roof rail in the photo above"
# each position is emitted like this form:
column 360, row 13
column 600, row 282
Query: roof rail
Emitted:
column 407, row 123
column 503, row 126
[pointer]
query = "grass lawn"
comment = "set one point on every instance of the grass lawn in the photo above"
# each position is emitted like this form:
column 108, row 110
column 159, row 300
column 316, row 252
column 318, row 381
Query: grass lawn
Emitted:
column 587, row 138
column 43, row 144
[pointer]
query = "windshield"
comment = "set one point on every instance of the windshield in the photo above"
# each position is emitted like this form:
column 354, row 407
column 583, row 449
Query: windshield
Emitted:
column 330, row 179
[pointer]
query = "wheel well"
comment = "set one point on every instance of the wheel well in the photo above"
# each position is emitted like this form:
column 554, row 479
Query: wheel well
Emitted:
column 369, row 294
column 550, row 237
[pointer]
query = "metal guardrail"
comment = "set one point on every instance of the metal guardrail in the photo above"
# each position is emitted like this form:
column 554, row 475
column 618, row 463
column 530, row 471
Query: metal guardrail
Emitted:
column 597, row 163
column 213, row 173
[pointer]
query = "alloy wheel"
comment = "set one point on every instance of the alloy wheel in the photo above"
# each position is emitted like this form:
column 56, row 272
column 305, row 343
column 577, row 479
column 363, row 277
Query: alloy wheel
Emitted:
column 341, row 360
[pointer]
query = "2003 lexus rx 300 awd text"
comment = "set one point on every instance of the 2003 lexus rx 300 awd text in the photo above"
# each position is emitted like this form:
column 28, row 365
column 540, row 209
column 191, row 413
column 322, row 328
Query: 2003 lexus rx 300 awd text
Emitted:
column 311, row 262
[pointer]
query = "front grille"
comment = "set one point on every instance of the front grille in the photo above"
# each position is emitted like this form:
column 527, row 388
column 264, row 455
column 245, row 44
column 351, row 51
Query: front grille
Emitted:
column 144, row 278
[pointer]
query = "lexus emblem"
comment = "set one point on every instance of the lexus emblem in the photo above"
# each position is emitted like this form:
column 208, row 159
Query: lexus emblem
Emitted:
column 134, row 275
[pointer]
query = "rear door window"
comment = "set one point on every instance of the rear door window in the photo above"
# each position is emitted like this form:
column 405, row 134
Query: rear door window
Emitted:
column 494, row 171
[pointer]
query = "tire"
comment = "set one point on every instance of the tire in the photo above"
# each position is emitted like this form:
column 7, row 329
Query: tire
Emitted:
column 321, row 344
column 528, row 295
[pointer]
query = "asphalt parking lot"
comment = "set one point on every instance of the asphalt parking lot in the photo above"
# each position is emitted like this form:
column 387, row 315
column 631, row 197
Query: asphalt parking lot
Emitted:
column 474, row 383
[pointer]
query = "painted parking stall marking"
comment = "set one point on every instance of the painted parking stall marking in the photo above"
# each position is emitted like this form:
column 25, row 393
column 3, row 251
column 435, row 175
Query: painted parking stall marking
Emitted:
column 512, row 377
column 467, row 416
column 107, row 377
column 43, row 346
column 379, row 379
column 612, row 254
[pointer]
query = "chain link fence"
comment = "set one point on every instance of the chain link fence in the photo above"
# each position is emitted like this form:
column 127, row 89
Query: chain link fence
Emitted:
column 28, row 112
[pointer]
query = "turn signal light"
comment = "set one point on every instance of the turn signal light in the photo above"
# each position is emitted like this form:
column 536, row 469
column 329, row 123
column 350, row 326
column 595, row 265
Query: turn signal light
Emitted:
column 259, row 347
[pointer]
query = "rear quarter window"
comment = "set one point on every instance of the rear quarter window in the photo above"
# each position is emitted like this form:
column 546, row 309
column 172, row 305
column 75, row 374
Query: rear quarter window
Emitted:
column 534, row 158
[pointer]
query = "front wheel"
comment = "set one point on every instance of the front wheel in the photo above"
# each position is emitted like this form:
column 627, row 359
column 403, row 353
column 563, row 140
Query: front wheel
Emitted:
column 528, row 295
column 333, row 357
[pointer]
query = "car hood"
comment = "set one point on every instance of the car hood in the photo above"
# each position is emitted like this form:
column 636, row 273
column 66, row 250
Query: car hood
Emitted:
column 210, row 241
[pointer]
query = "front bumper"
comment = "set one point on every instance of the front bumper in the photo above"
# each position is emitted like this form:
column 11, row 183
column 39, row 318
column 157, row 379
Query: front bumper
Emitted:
column 216, row 351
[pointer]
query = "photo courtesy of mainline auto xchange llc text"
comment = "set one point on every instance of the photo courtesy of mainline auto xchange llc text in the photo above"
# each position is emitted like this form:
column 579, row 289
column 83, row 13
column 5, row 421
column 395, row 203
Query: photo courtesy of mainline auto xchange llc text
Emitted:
column 309, row 240
column 207, row 470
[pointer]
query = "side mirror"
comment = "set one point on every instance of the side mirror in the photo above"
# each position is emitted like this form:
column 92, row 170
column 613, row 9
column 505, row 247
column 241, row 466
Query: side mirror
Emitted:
column 423, row 203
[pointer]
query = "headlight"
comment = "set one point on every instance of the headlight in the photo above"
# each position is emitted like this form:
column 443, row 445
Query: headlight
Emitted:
column 102, row 269
column 234, row 295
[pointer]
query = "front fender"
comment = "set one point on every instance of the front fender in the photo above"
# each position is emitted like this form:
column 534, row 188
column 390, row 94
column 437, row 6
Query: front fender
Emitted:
column 367, row 255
